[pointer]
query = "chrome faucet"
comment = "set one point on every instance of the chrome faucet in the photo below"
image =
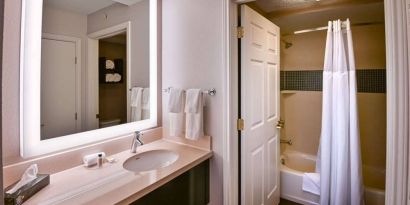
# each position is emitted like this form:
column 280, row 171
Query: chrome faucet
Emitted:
column 289, row 142
column 136, row 141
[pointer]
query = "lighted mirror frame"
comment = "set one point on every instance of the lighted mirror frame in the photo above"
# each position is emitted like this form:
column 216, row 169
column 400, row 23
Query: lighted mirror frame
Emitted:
column 30, row 70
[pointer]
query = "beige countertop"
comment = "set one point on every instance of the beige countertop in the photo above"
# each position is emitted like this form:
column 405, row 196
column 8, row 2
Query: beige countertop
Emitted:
column 112, row 184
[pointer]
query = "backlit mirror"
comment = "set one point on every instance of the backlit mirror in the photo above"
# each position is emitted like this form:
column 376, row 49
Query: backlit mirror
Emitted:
column 88, row 71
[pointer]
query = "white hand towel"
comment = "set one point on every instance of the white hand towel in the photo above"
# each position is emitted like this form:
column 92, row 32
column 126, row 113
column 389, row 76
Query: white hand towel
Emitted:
column 145, row 104
column 175, row 100
column 175, row 112
column 193, row 96
column 116, row 77
column 311, row 183
column 194, row 114
column 136, row 104
column 109, row 64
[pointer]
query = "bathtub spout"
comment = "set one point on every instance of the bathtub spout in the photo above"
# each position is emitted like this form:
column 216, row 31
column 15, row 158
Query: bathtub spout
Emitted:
column 289, row 142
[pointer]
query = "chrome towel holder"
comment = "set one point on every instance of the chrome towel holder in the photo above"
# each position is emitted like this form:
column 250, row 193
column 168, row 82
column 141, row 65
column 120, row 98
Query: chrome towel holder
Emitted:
column 210, row 92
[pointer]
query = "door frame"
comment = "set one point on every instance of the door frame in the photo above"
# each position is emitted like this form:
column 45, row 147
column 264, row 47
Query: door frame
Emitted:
column 92, row 69
column 397, row 63
column 78, row 70
column 1, row 93
column 230, row 103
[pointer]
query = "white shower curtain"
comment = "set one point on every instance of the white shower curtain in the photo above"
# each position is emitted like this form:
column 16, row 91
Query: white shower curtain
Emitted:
column 339, row 160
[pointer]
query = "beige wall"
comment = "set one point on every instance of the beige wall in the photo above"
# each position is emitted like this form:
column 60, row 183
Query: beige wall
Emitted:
column 302, row 110
column 308, row 50
column 113, row 97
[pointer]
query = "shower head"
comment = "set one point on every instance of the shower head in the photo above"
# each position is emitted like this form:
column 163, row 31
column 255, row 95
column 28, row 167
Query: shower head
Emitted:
column 287, row 44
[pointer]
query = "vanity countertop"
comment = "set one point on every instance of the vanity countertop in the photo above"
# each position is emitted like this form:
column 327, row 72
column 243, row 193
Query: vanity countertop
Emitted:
column 112, row 184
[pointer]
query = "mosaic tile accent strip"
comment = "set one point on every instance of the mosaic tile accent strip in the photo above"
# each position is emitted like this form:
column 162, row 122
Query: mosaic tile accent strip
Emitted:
column 371, row 81
column 368, row 80
column 302, row 80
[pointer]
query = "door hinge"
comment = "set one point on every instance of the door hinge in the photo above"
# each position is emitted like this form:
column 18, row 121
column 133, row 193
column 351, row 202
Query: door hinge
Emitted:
column 75, row 60
column 75, row 116
column 240, row 124
column 97, row 116
column 240, row 32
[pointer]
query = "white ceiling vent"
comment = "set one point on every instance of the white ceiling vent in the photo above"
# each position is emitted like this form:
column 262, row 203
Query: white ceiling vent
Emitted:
column 127, row 2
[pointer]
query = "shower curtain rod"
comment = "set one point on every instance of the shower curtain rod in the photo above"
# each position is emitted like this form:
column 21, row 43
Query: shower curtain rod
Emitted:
column 343, row 24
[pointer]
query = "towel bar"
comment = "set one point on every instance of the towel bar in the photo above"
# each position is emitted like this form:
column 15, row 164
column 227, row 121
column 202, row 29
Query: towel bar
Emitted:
column 210, row 92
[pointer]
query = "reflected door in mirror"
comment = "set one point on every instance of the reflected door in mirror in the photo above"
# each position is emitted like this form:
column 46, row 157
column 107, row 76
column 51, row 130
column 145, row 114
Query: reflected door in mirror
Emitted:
column 58, row 88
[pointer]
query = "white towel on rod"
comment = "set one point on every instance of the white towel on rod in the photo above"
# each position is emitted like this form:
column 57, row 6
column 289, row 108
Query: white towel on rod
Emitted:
column 175, row 100
column 175, row 112
column 311, row 183
column 194, row 114
column 136, row 104
column 145, row 104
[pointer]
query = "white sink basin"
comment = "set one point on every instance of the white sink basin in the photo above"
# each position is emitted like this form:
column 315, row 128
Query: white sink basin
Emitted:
column 150, row 160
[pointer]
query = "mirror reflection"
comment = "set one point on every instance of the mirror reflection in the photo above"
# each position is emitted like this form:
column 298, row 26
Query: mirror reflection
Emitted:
column 94, row 71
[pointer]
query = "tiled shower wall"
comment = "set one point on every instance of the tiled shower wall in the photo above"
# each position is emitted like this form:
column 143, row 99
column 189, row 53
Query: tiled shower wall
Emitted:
column 368, row 80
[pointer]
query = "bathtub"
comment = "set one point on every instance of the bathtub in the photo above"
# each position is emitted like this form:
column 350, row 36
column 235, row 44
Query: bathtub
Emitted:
column 294, row 164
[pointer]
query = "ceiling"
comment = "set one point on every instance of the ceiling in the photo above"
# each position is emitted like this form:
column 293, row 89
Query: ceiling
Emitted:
column 281, row 5
column 296, row 16
column 85, row 6
column 79, row 6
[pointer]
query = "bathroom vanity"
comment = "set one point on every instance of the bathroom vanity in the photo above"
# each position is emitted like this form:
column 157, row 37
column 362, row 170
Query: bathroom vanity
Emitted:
column 185, row 181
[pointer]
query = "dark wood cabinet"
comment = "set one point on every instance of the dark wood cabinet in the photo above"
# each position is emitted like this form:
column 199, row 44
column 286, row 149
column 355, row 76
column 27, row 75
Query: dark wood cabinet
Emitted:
column 190, row 188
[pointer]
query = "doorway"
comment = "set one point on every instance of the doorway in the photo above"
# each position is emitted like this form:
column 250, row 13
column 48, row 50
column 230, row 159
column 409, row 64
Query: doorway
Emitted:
column 109, row 69
column 112, row 102
column 296, row 96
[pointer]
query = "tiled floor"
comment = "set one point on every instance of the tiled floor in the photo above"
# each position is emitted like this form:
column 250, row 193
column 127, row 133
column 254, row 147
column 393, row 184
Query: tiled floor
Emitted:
column 286, row 202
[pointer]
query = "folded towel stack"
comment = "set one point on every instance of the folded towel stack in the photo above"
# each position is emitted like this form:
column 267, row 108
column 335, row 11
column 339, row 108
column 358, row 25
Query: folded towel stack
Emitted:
column 109, row 64
column 112, row 77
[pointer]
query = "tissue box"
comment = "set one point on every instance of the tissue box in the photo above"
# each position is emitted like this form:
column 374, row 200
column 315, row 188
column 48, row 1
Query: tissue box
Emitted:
column 26, row 191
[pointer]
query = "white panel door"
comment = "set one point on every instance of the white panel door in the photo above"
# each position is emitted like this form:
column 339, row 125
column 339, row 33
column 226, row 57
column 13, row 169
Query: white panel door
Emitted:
column 259, row 109
column 58, row 88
